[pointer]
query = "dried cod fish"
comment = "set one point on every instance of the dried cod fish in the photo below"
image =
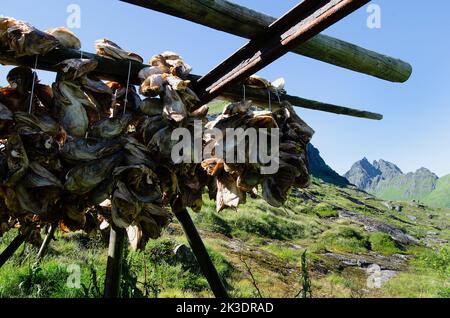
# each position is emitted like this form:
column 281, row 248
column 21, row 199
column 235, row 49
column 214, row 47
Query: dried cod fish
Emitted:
column 110, row 49
column 110, row 127
column 70, row 101
column 65, row 37
column 85, row 177
column 88, row 149
column 25, row 40
column 72, row 69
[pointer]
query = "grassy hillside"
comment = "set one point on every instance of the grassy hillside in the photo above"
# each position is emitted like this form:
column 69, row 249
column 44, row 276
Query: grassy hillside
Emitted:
column 405, row 187
column 342, row 230
column 440, row 197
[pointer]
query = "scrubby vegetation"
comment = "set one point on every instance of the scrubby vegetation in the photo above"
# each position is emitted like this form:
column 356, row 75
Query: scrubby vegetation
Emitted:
column 268, row 243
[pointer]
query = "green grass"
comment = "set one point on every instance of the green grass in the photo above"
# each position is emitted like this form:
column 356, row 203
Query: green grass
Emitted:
column 216, row 107
column 440, row 197
column 324, row 210
column 287, row 254
column 256, row 229
column 345, row 239
column 383, row 243
column 213, row 222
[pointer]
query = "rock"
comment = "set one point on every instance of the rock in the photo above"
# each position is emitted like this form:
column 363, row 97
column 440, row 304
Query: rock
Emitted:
column 185, row 257
column 322, row 171
column 394, row 262
column 373, row 225
column 378, row 277
column 392, row 206
column 412, row 218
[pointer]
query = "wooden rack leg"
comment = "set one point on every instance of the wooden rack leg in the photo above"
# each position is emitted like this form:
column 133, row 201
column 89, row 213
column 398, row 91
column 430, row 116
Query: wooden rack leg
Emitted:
column 114, row 265
column 46, row 242
column 11, row 249
column 201, row 254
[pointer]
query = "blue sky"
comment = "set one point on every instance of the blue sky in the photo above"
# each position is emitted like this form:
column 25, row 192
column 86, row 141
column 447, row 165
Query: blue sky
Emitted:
column 416, row 128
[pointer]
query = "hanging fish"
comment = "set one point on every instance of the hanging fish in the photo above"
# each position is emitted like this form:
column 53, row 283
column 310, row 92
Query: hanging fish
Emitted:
column 17, row 160
column 72, row 69
column 6, row 117
column 110, row 127
column 124, row 208
column 39, row 177
column 152, row 106
column 70, row 101
column 88, row 149
column 153, row 85
column 111, row 50
column 25, row 40
column 149, row 71
column 65, row 37
column 228, row 193
column 26, row 122
column 174, row 108
column 85, row 177
column 141, row 181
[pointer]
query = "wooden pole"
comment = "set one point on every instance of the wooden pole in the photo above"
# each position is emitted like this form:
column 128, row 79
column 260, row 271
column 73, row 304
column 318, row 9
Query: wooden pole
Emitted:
column 117, row 71
column 114, row 264
column 11, row 249
column 46, row 242
column 241, row 21
column 300, row 24
column 201, row 254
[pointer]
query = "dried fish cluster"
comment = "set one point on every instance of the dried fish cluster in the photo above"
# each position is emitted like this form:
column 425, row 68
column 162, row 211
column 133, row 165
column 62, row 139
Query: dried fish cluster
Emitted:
column 234, row 180
column 86, row 153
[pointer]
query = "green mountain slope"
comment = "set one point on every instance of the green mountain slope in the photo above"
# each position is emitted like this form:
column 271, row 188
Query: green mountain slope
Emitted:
column 386, row 181
column 440, row 197
column 411, row 186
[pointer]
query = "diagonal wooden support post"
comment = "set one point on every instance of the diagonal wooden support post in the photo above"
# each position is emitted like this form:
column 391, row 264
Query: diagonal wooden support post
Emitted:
column 48, row 238
column 303, row 22
column 201, row 254
column 199, row 249
column 11, row 249
column 114, row 265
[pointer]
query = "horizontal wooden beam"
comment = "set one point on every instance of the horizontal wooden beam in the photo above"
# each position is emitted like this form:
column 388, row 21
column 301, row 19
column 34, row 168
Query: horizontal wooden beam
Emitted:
column 117, row 70
column 241, row 21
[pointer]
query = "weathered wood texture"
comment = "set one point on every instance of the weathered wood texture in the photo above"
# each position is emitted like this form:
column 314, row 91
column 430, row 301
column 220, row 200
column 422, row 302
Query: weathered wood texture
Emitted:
column 201, row 254
column 117, row 71
column 303, row 22
column 48, row 238
column 113, row 275
column 238, row 20
column 11, row 249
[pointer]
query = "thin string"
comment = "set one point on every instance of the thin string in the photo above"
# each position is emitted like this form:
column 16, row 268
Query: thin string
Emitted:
column 30, row 108
column 128, row 84
column 278, row 96
column 270, row 99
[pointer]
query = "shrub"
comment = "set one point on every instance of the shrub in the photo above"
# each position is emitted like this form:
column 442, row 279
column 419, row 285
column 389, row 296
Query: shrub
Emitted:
column 213, row 222
column 345, row 239
column 383, row 243
column 324, row 210
column 269, row 226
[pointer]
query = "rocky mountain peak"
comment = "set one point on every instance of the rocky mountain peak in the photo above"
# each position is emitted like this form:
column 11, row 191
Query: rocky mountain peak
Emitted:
column 388, row 169
column 362, row 173
column 386, row 180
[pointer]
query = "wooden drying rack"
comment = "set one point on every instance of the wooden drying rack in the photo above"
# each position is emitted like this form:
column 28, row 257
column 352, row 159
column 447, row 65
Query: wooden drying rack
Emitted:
column 297, row 31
